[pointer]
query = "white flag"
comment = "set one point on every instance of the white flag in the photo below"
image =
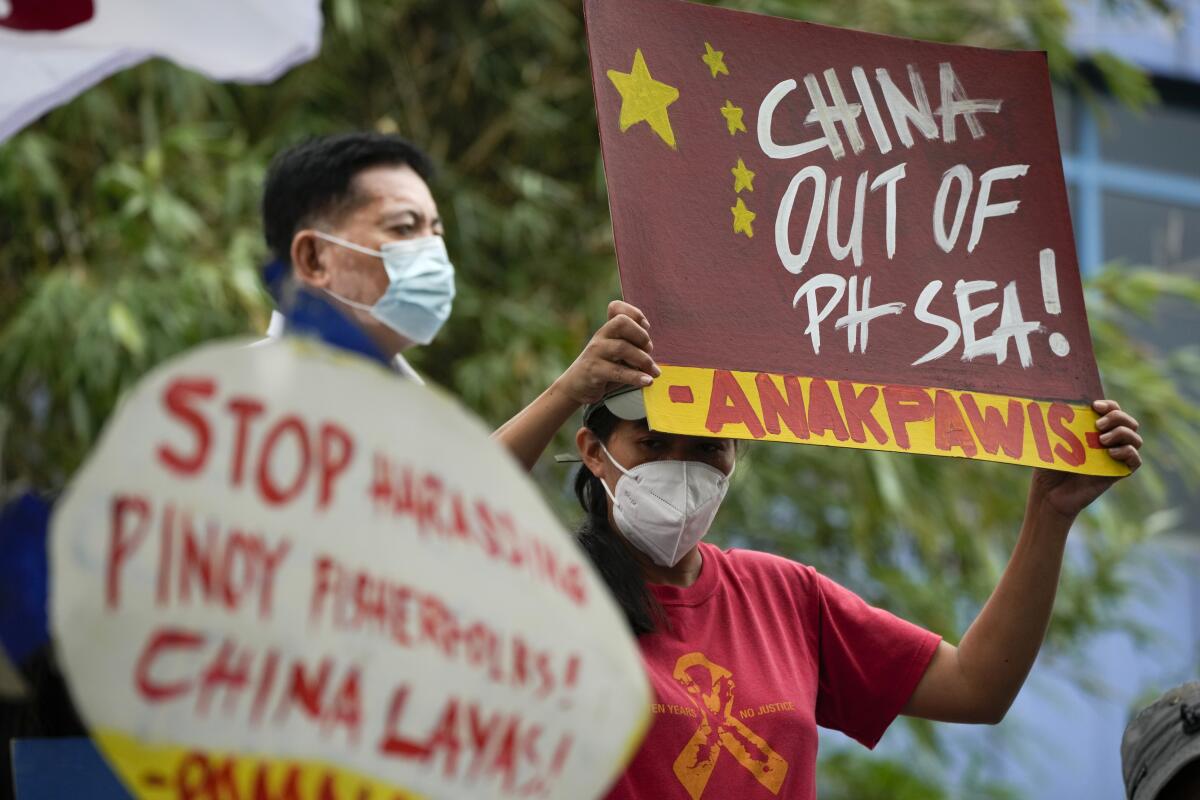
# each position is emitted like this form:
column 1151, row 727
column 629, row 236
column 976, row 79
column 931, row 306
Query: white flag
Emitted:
column 51, row 50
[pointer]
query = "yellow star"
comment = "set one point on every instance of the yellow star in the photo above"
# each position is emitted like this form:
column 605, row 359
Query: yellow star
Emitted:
column 742, row 217
column 644, row 99
column 733, row 117
column 715, row 59
column 742, row 177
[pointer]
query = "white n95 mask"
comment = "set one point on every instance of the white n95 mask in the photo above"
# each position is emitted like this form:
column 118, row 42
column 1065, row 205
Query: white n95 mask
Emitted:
column 420, row 287
column 664, row 508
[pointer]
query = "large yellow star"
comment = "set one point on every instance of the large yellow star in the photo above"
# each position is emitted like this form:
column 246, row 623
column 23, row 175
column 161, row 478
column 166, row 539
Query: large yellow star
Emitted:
column 715, row 59
column 733, row 117
column 742, row 217
column 743, row 178
column 644, row 99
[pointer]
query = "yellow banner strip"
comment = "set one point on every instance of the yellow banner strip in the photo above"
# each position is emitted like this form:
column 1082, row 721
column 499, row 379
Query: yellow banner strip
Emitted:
column 700, row 401
column 172, row 772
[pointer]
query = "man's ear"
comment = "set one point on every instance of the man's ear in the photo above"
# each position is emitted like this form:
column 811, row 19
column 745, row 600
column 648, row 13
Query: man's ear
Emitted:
column 590, row 451
column 308, row 256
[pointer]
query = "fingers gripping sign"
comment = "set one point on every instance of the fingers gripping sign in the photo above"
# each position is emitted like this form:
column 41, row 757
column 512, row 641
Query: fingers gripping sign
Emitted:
column 619, row 354
column 1117, row 432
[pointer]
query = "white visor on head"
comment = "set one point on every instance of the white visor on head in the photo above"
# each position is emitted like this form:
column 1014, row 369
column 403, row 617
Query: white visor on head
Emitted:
column 627, row 405
column 624, row 403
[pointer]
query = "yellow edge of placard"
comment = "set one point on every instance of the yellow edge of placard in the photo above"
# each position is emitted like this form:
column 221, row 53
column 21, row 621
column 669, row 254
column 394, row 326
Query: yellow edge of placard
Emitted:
column 634, row 741
column 701, row 401
column 160, row 771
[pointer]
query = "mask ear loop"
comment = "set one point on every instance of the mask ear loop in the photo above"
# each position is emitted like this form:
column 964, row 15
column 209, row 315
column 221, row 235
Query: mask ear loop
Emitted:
column 329, row 237
column 348, row 301
column 624, row 471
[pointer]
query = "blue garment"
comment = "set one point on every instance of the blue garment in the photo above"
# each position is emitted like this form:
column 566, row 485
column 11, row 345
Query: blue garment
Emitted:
column 310, row 313
column 23, row 570
column 52, row 769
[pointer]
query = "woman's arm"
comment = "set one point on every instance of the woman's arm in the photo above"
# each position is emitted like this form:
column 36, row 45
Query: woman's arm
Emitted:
column 978, row 680
column 617, row 355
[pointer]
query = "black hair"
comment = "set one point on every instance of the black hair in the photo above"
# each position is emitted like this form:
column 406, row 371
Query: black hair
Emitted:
column 316, row 177
column 610, row 553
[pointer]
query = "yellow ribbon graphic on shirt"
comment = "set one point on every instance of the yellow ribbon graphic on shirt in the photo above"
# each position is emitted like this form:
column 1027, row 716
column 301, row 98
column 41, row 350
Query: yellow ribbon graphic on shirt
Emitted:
column 720, row 730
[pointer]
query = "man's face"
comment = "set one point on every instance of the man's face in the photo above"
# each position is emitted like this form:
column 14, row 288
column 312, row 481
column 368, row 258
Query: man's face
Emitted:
column 394, row 203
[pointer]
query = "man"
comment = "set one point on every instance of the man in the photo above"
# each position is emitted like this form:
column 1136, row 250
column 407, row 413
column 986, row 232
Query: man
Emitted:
column 352, row 225
column 359, row 262
column 1160, row 752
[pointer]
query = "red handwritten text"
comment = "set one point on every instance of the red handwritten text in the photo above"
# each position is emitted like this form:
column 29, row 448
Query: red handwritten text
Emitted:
column 443, row 511
column 279, row 455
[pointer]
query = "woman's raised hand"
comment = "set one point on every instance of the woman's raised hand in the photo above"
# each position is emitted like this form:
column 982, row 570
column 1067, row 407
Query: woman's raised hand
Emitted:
column 617, row 355
column 1068, row 493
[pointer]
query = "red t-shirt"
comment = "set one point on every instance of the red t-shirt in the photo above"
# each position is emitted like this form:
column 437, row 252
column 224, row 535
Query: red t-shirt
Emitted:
column 759, row 651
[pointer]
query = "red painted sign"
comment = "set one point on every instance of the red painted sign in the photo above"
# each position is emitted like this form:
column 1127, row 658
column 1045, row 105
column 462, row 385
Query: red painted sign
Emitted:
column 798, row 200
column 43, row 15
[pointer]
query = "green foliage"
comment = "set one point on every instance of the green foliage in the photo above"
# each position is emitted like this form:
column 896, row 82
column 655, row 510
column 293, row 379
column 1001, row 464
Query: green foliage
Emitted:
column 130, row 232
column 850, row 775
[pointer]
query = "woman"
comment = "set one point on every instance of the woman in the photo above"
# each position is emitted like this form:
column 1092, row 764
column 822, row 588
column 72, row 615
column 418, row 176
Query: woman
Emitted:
column 748, row 652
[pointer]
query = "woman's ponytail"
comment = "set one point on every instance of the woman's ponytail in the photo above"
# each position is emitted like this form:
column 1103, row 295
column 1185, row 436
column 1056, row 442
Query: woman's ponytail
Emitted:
column 608, row 551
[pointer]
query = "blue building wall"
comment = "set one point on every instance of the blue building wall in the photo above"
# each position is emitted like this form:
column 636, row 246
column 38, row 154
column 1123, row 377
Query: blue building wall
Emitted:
column 1062, row 741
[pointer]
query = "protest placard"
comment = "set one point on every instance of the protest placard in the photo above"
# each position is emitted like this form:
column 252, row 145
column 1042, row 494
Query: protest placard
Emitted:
column 843, row 238
column 284, row 573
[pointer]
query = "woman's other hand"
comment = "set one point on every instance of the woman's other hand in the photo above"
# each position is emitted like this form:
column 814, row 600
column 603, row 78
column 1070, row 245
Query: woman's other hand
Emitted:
column 1068, row 493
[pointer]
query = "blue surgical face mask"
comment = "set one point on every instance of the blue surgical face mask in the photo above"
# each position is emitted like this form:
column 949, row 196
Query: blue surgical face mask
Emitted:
column 420, row 291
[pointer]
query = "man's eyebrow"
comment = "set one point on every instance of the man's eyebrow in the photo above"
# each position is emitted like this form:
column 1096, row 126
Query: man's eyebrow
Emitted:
column 397, row 213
